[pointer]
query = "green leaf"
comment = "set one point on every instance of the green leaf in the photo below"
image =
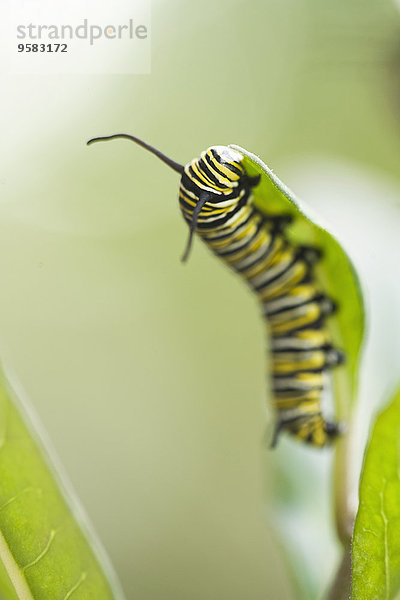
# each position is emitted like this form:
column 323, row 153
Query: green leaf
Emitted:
column 338, row 278
column 334, row 271
column 376, row 541
column 45, row 552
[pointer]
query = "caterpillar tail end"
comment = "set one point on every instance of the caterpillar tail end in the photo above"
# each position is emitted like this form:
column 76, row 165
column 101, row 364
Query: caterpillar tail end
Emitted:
column 331, row 430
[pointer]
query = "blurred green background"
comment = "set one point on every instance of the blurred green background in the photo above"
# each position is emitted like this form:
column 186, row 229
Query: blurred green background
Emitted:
column 149, row 376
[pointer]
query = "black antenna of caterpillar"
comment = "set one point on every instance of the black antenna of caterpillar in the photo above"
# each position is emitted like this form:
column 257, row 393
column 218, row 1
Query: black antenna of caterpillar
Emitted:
column 168, row 161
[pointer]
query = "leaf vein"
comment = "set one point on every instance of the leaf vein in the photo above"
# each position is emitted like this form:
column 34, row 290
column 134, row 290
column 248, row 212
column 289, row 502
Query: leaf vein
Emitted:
column 76, row 585
column 11, row 500
column 52, row 535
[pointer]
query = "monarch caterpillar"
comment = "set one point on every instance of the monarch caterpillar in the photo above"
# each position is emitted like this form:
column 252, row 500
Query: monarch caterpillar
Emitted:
column 216, row 201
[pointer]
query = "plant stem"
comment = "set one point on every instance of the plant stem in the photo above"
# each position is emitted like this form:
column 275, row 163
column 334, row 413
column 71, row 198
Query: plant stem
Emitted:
column 344, row 496
column 345, row 510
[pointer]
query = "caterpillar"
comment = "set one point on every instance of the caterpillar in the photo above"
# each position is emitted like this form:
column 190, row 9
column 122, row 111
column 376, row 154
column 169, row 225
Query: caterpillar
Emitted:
column 216, row 201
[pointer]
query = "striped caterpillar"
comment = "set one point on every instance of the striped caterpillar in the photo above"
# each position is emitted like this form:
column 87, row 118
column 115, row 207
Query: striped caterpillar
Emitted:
column 216, row 201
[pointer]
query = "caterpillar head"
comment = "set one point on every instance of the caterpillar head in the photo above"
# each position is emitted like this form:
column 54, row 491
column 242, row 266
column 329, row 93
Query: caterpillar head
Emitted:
column 214, row 174
column 224, row 166
column 226, row 155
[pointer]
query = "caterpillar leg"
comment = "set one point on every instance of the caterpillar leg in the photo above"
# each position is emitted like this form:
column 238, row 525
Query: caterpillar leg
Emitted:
column 310, row 254
column 277, row 431
column 254, row 181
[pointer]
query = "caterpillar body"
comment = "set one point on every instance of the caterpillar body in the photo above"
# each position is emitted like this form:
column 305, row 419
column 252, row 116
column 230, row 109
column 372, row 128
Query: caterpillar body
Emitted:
column 216, row 201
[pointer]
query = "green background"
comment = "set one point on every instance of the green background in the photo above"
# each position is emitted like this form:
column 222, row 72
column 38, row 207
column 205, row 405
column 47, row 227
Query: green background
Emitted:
column 149, row 375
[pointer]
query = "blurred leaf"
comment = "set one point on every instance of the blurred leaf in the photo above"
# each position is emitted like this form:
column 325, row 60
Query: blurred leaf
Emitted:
column 376, row 540
column 43, row 550
column 335, row 273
